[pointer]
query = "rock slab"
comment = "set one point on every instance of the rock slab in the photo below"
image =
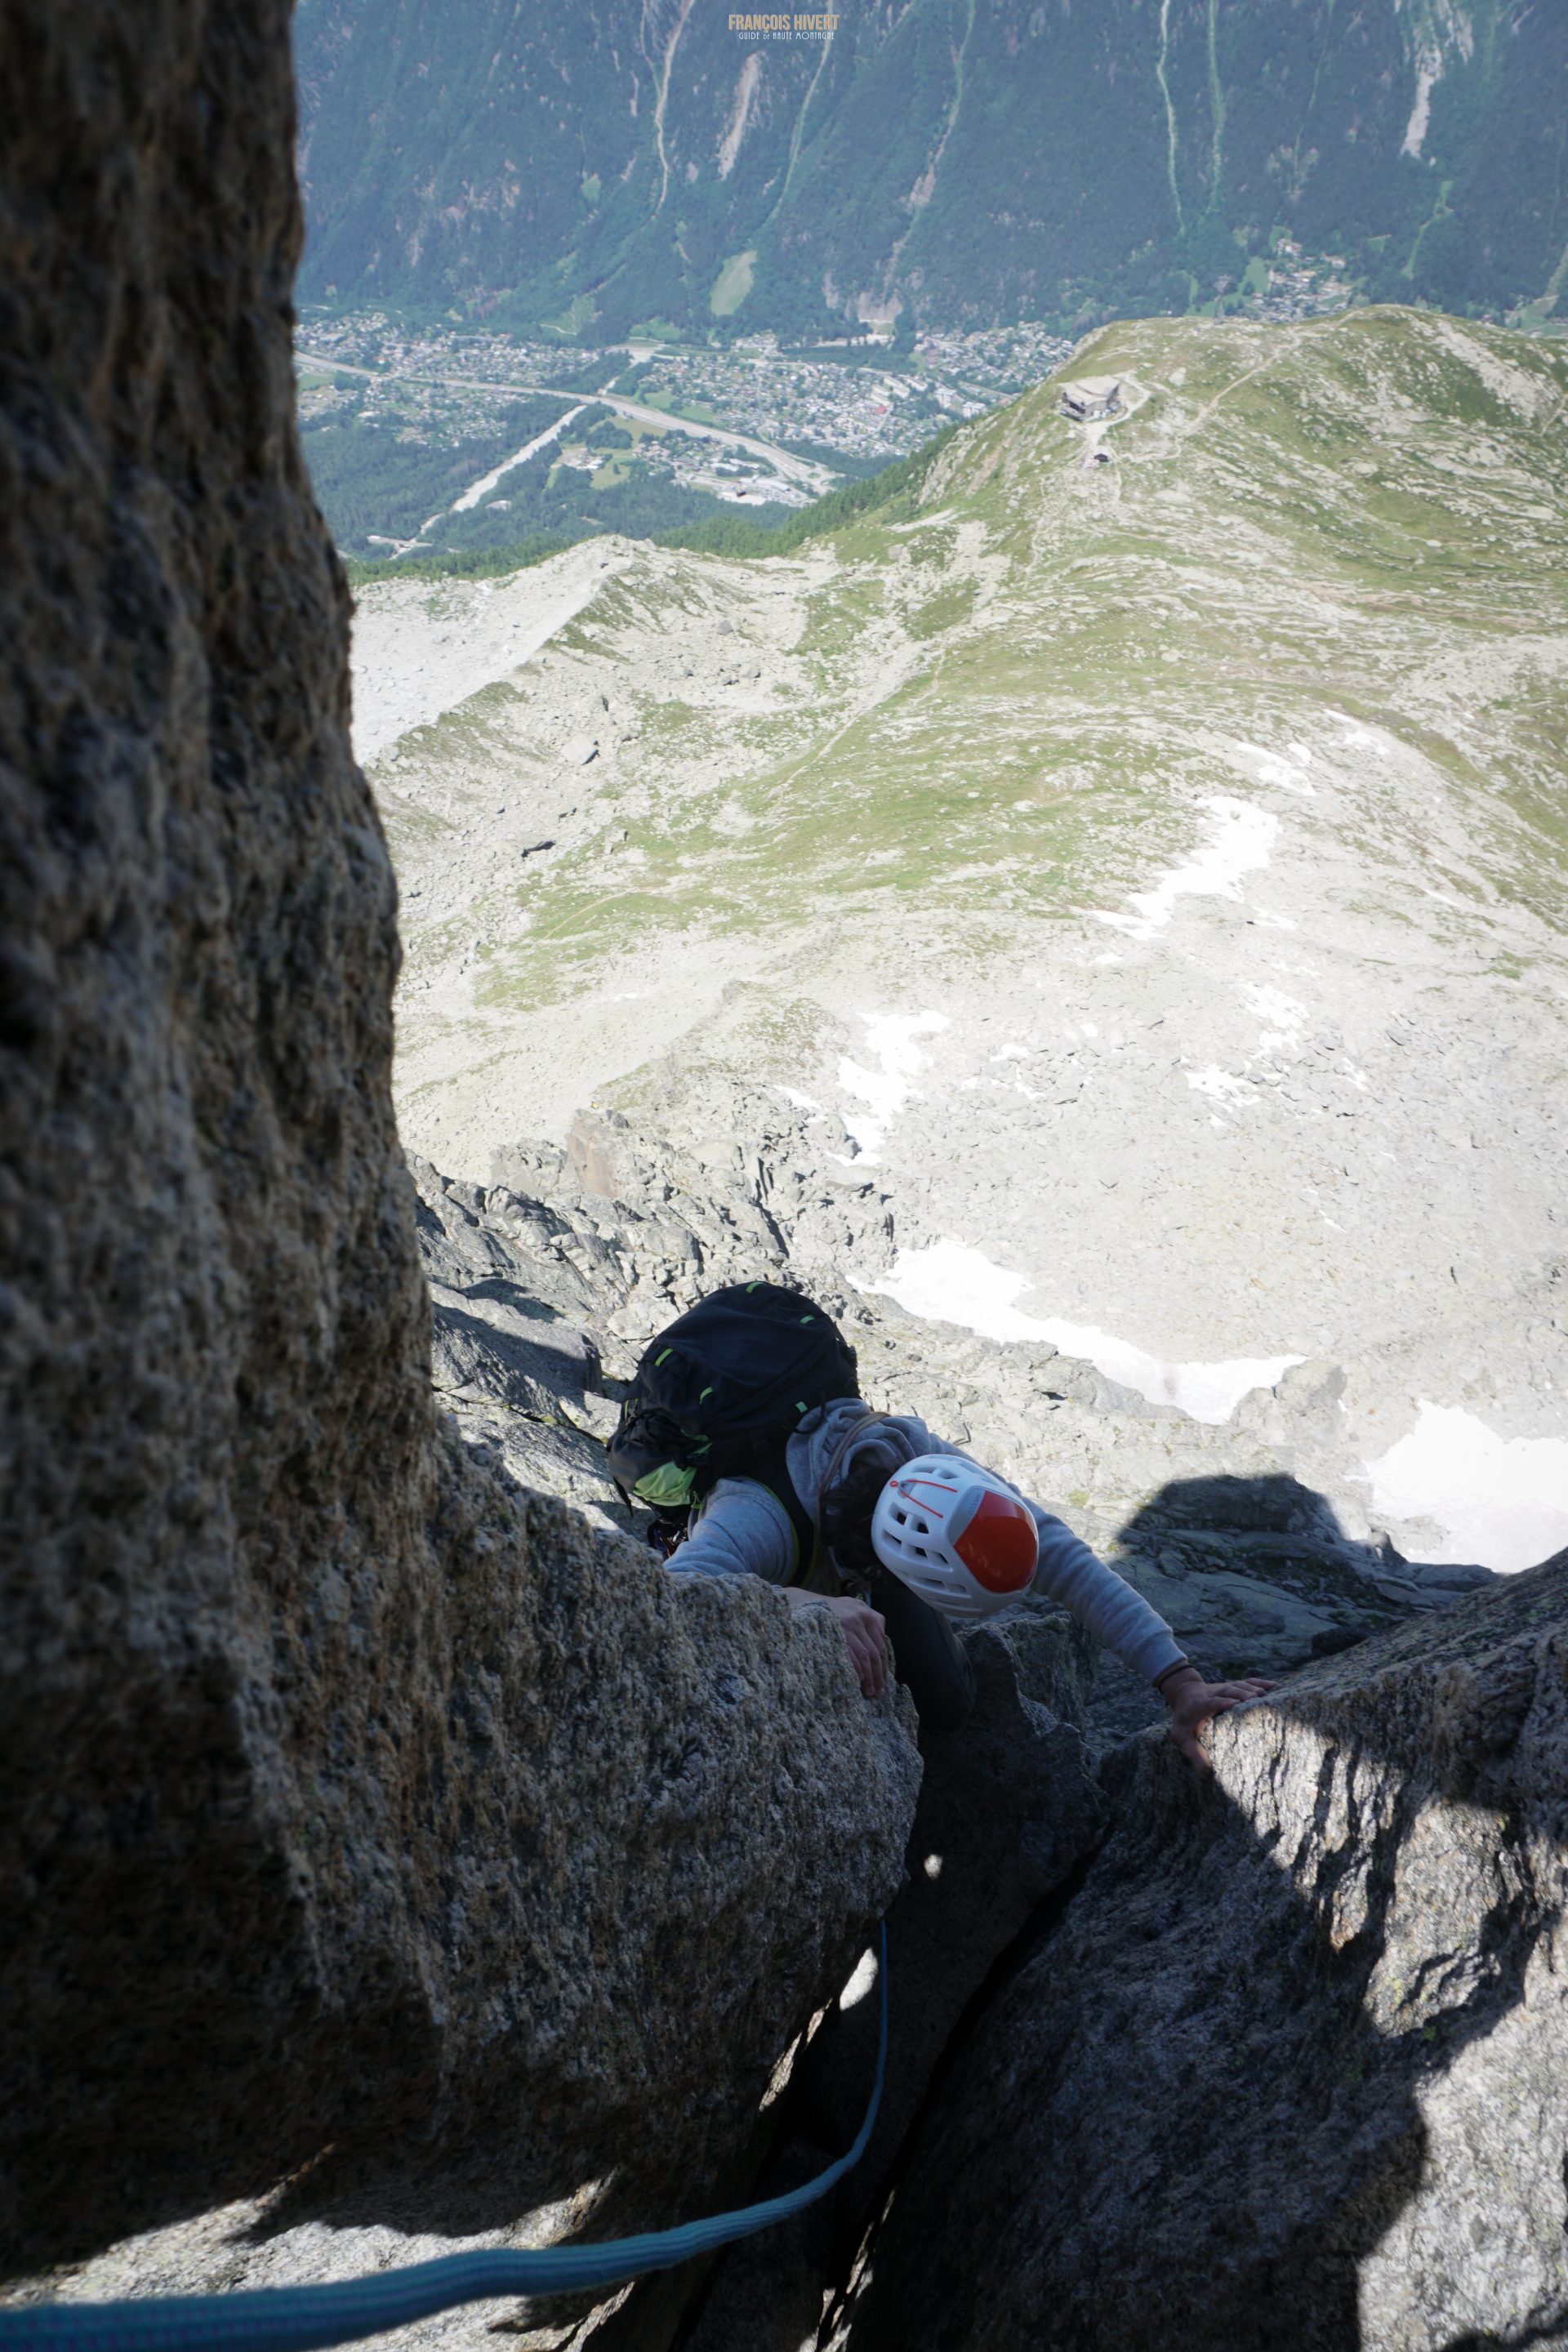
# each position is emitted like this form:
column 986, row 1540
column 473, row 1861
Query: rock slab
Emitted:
column 1293, row 2069
column 1009, row 1808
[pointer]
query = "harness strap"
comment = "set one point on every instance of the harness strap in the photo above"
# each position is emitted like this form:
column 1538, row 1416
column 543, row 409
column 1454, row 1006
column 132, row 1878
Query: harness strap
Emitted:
column 770, row 1468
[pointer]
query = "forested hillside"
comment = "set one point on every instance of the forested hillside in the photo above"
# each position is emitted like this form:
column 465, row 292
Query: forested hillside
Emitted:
column 933, row 162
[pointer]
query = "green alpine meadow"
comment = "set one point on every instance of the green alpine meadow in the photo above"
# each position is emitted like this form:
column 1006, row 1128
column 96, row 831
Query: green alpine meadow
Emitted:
column 1004, row 693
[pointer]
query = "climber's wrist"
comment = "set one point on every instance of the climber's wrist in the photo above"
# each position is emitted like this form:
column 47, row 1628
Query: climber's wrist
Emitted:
column 1176, row 1681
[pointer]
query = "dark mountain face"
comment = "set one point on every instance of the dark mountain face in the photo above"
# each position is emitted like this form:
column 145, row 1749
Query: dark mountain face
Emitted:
column 954, row 163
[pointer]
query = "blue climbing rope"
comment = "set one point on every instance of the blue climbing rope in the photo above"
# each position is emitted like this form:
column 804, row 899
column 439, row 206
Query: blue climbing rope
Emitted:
column 304, row 2318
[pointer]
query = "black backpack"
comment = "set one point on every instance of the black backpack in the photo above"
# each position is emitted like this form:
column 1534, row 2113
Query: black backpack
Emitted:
column 718, row 1395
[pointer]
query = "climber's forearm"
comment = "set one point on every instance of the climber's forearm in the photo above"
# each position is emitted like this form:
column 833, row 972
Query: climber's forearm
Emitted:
column 1114, row 1609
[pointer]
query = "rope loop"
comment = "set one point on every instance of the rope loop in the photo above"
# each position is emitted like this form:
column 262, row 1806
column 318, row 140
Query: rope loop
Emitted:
column 310, row 2318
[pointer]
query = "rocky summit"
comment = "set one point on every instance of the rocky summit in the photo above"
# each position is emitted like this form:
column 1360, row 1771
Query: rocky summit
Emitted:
column 397, row 1859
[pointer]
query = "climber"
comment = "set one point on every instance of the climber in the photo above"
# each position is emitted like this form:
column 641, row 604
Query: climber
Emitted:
column 745, row 1432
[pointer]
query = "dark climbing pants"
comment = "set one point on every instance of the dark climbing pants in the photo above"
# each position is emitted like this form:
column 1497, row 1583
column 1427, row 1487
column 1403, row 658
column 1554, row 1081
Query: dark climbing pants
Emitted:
column 928, row 1656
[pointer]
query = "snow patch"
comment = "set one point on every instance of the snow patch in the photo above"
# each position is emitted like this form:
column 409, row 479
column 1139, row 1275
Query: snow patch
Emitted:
column 1285, row 1015
column 1286, row 773
column 1357, row 738
column 1503, row 1500
column 1241, row 838
column 949, row 1282
column 1220, row 1087
column 891, row 1039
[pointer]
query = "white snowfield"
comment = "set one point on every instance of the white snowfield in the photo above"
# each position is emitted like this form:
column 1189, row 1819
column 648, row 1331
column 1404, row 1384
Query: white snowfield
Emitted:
column 1239, row 840
column 1502, row 1501
column 890, row 1041
column 950, row 1282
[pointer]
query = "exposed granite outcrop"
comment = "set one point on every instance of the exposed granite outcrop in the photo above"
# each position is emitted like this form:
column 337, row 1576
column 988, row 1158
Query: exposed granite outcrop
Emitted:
column 1187, row 1907
column 352, row 1797
column 1291, row 2069
column 1009, row 1810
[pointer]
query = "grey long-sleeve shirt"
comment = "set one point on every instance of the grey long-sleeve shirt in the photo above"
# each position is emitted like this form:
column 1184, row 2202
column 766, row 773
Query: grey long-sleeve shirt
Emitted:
column 741, row 1529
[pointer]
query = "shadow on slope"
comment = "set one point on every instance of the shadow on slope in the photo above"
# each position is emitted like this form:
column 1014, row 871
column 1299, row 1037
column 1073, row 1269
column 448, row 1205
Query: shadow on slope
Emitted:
column 1256, row 1575
column 1288, row 2069
column 1013, row 1824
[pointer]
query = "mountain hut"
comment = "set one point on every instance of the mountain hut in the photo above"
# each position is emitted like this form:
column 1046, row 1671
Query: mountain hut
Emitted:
column 1089, row 397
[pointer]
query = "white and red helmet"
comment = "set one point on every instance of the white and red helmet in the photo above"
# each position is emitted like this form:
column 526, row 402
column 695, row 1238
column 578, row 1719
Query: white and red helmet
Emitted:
column 955, row 1533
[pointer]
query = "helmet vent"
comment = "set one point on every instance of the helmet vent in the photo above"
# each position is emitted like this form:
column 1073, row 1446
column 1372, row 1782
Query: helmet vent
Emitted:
column 968, row 1544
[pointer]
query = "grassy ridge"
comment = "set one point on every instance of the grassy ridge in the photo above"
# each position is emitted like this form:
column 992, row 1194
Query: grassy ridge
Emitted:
column 467, row 563
column 1029, row 715
column 888, row 493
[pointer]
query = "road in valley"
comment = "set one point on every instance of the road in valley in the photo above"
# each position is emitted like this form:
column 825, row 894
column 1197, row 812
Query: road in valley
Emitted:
column 811, row 476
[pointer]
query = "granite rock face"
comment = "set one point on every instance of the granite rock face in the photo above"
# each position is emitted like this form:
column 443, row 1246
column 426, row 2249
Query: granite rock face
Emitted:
column 1284, row 2065
column 1008, row 1807
column 352, row 1797
column 1009, row 1810
column 1292, row 2068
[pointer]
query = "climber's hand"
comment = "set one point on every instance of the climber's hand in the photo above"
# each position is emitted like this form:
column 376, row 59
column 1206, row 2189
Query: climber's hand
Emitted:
column 863, row 1631
column 1193, row 1703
